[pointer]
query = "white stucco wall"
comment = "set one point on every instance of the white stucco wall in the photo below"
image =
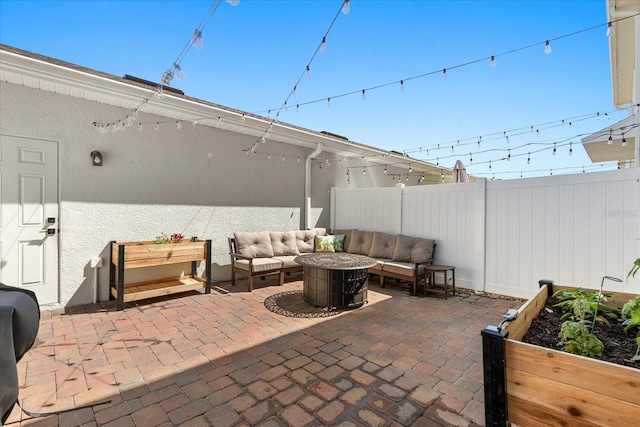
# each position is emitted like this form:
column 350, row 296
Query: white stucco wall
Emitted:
column 155, row 181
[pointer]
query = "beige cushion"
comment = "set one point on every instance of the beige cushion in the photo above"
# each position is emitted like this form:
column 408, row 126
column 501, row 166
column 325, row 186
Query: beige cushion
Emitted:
column 305, row 240
column 402, row 268
column 287, row 261
column 379, row 264
column 360, row 242
column 254, row 245
column 259, row 264
column 284, row 243
column 382, row 245
column 319, row 231
column 422, row 250
column 404, row 244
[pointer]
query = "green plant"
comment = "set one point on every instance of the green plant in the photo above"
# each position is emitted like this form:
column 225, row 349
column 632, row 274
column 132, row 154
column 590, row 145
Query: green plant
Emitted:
column 162, row 239
column 631, row 315
column 576, row 338
column 582, row 305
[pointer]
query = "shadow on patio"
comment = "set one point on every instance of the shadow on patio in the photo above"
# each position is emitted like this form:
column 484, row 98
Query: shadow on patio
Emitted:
column 225, row 360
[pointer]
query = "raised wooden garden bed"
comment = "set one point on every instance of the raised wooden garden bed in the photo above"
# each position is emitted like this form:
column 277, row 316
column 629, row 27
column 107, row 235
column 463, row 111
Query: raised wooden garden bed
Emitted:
column 528, row 385
column 127, row 255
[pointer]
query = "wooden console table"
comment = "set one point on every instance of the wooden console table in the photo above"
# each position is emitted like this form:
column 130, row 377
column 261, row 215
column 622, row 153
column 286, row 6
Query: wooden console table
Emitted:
column 430, row 278
column 126, row 255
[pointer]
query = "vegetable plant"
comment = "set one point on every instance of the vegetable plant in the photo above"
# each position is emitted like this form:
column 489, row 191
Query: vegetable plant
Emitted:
column 631, row 316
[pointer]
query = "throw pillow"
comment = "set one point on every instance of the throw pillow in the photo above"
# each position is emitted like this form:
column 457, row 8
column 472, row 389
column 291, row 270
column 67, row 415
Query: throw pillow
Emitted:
column 338, row 242
column 324, row 244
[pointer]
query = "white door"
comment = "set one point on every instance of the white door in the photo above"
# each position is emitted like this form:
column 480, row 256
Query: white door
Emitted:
column 29, row 215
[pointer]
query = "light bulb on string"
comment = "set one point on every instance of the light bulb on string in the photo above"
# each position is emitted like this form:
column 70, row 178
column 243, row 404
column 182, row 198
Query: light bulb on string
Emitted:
column 571, row 148
column 597, row 116
column 547, row 47
column 297, row 108
column 410, row 169
column 624, row 140
column 364, row 170
column 323, row 45
column 489, row 164
column 196, row 39
column 606, row 116
column 308, row 71
column 178, row 125
column 295, row 91
column 444, row 73
column 470, row 158
column 140, row 126
column 329, row 102
column 554, row 149
column 407, row 177
column 157, row 125
column 179, row 73
column 243, row 118
column 401, row 85
column 529, row 158
column 364, row 95
column 346, row 7
column 493, row 61
column 283, row 158
column 194, row 123
column 610, row 30
column 385, row 168
column 509, row 155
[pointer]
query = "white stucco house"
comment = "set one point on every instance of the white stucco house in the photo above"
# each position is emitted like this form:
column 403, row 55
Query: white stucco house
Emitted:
column 160, row 164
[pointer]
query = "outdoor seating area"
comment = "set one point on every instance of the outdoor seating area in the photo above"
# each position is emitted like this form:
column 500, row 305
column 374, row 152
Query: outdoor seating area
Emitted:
column 225, row 359
column 258, row 254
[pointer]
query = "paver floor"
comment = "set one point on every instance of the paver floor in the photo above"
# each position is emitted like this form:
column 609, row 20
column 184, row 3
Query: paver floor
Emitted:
column 225, row 360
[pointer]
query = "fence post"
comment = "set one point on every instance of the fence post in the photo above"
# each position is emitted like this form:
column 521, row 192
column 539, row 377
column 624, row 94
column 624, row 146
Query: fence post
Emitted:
column 549, row 284
column 495, row 386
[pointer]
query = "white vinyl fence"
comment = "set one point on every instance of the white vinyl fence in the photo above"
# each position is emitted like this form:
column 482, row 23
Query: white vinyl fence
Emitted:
column 504, row 236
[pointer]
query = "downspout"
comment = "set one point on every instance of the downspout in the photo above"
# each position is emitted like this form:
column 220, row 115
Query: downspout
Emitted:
column 307, row 184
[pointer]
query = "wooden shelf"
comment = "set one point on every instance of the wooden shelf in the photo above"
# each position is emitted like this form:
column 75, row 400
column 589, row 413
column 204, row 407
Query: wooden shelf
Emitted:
column 128, row 255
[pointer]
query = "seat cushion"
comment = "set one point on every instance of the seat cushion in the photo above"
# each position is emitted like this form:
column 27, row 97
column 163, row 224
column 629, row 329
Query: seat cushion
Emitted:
column 382, row 245
column 360, row 242
column 284, row 243
column 254, row 245
column 379, row 265
column 402, row 268
column 259, row 264
column 287, row 261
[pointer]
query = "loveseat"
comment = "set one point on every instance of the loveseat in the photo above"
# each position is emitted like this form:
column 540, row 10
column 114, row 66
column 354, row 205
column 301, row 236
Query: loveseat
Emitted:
column 265, row 253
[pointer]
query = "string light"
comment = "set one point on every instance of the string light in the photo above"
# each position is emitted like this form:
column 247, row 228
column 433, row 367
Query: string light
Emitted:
column 329, row 102
column 308, row 72
column 493, row 61
column 529, row 158
column 444, row 73
column 401, row 85
column 178, row 125
column 624, row 140
column 547, row 47
column 364, row 170
column 554, row 149
column 323, row 45
column 385, row 169
column 364, row 95
column 610, row 30
column 571, row 148
column 283, row 158
column 346, row 7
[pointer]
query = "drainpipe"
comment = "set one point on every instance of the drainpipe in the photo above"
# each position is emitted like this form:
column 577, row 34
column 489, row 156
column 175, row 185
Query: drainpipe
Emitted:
column 307, row 184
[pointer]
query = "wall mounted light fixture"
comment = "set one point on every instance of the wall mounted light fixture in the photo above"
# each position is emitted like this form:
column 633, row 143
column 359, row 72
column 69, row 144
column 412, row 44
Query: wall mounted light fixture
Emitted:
column 96, row 158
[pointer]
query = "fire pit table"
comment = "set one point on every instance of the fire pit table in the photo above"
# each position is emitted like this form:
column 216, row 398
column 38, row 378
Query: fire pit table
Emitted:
column 335, row 280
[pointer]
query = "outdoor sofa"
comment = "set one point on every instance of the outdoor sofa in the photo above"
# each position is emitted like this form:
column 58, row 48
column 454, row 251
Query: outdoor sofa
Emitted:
column 258, row 254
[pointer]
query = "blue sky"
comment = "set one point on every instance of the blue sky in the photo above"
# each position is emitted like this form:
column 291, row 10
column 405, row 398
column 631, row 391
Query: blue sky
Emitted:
column 255, row 52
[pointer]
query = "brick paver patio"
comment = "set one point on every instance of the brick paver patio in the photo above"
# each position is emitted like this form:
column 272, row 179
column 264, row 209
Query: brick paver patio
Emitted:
column 225, row 360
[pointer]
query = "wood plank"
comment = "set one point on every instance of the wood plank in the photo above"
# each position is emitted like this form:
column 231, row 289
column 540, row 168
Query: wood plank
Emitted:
column 607, row 379
column 616, row 300
column 151, row 289
column 524, row 413
column 526, row 314
column 573, row 404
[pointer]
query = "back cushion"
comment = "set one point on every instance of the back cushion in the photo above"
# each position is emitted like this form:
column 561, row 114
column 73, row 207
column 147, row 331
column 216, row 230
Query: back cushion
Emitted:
column 404, row 245
column 360, row 242
column 382, row 245
column 422, row 250
column 284, row 243
column 305, row 240
column 254, row 245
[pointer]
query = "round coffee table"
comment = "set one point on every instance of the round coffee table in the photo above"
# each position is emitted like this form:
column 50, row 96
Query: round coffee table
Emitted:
column 335, row 280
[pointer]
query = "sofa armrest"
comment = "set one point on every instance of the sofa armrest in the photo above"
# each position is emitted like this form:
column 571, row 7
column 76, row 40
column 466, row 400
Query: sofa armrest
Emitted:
column 240, row 256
